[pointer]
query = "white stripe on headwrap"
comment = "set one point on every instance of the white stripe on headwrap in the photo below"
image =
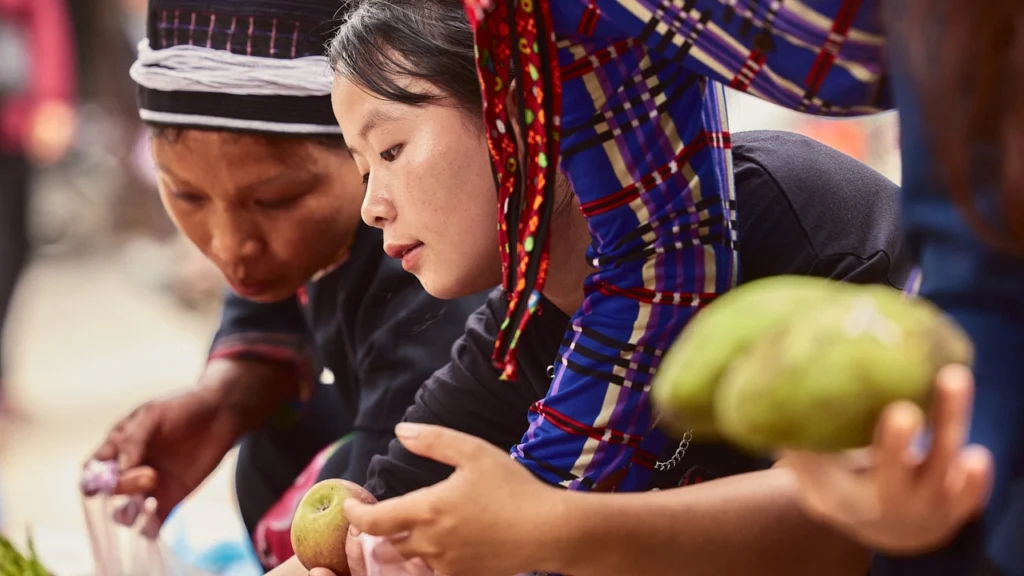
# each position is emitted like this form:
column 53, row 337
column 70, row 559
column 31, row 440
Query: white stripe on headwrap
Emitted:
column 200, row 69
column 236, row 123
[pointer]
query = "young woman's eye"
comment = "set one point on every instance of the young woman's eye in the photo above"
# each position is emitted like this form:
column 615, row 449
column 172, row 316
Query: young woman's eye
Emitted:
column 390, row 154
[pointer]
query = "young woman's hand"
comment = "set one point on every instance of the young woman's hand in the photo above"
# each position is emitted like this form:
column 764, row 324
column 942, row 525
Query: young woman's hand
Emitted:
column 490, row 517
column 891, row 497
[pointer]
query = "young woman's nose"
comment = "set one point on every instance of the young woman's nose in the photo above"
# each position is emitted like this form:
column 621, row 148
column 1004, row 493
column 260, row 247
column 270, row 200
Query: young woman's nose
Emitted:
column 377, row 209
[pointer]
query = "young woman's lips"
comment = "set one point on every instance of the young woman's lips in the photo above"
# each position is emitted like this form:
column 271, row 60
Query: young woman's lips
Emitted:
column 407, row 253
column 411, row 257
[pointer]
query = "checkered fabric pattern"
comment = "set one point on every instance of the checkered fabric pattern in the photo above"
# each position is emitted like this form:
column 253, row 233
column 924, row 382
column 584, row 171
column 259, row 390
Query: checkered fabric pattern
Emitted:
column 645, row 142
column 262, row 31
column 285, row 31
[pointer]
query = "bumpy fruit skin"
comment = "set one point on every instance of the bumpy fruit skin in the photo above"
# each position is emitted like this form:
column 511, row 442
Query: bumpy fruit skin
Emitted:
column 683, row 390
column 820, row 381
column 320, row 529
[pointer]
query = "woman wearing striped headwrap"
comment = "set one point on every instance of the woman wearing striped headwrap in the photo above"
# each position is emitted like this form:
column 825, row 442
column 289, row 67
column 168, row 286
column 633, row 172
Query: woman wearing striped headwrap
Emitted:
column 323, row 340
column 408, row 99
column 621, row 65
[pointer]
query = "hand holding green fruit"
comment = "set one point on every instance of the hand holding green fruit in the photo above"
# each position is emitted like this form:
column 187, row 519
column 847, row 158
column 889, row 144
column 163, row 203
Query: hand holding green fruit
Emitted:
column 320, row 529
column 804, row 363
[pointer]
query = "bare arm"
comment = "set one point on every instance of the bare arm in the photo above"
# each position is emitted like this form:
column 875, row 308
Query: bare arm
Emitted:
column 250, row 390
column 492, row 517
column 746, row 524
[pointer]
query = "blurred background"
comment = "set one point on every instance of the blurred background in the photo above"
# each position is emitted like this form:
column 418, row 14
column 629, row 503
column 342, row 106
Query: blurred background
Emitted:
column 114, row 308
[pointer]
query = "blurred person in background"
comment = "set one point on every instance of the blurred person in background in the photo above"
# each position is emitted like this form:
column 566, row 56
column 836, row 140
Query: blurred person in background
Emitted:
column 37, row 124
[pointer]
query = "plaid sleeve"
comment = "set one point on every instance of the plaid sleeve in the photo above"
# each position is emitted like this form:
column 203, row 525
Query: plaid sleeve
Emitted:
column 644, row 140
column 650, row 164
column 815, row 56
column 276, row 332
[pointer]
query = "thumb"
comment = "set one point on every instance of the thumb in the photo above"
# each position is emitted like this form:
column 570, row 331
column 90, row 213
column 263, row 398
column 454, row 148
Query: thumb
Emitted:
column 354, row 553
column 321, row 572
column 444, row 445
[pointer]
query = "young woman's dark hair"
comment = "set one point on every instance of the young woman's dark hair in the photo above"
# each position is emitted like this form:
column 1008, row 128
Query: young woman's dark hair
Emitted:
column 381, row 43
column 966, row 58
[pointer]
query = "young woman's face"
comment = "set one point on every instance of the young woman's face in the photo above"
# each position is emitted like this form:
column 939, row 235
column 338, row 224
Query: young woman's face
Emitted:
column 429, row 187
column 269, row 213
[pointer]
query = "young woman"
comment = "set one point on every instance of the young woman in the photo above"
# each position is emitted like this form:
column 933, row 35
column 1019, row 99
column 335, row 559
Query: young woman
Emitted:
column 425, row 521
column 772, row 49
column 656, row 189
column 408, row 102
column 324, row 339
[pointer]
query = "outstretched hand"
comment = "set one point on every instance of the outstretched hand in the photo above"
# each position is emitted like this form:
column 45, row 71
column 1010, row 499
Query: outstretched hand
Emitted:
column 891, row 497
column 490, row 517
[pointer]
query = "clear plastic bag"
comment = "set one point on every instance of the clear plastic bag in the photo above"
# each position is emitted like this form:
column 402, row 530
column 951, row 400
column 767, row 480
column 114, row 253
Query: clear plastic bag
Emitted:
column 371, row 544
column 374, row 568
column 124, row 531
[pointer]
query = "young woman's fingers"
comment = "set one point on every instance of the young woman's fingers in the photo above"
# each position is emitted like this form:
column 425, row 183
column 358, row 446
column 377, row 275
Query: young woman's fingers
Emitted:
column 951, row 416
column 444, row 445
column 899, row 424
column 390, row 517
column 969, row 493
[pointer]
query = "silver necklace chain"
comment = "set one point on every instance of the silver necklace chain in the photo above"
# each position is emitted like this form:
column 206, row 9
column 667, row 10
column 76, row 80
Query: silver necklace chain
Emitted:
column 676, row 458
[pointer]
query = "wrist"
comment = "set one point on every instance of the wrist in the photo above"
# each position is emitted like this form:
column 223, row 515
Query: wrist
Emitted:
column 562, row 533
column 247, row 392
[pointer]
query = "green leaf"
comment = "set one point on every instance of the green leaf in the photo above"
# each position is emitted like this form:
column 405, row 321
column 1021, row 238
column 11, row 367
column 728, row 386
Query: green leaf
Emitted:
column 14, row 563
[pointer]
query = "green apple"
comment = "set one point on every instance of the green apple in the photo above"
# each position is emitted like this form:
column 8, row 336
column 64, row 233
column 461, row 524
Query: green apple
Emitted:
column 319, row 527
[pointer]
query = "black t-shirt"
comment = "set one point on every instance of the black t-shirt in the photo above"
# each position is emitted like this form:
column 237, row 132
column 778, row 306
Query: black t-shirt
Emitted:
column 367, row 329
column 803, row 208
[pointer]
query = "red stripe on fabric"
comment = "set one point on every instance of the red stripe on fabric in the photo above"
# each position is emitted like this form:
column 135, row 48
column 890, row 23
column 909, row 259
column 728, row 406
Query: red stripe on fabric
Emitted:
column 633, row 191
column 823, row 63
column 586, row 65
column 263, row 350
column 652, row 296
column 576, row 428
column 742, row 80
column 300, row 362
column 588, row 22
column 644, row 459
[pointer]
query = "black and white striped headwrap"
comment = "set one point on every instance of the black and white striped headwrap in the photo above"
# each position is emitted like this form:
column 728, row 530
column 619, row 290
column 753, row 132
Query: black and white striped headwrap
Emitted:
column 250, row 65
